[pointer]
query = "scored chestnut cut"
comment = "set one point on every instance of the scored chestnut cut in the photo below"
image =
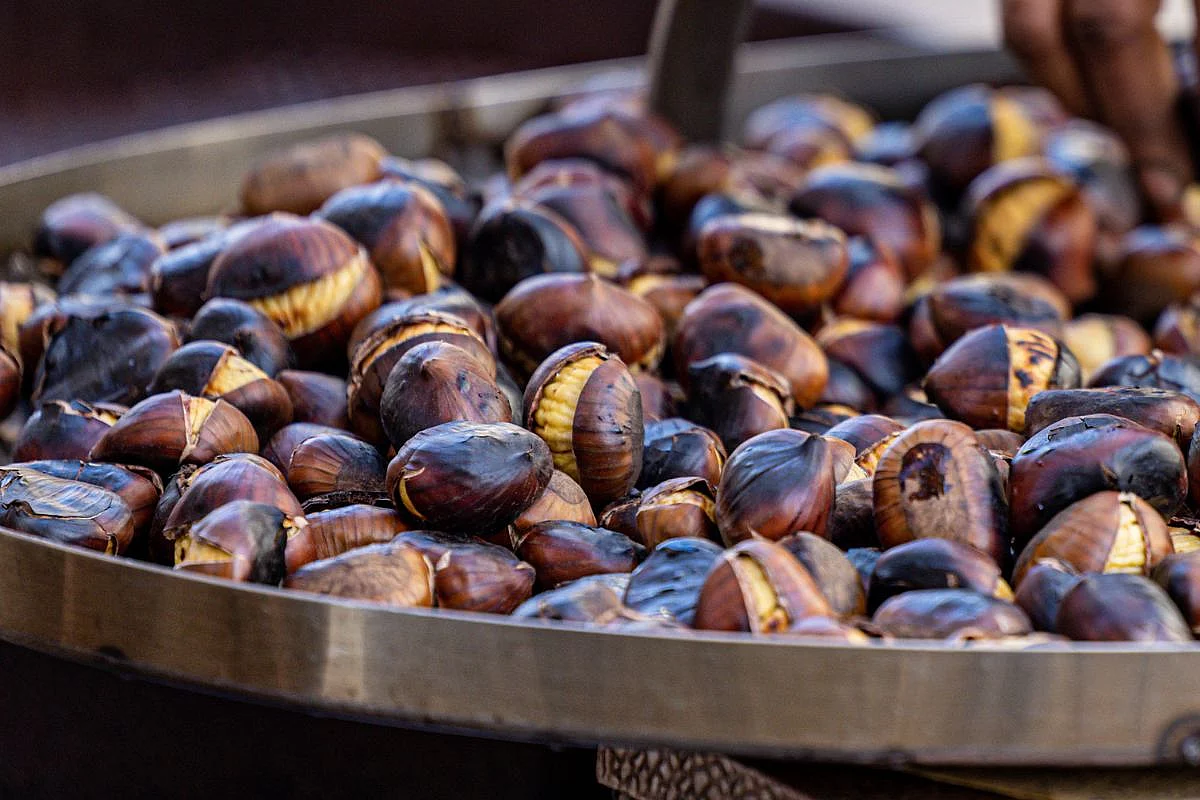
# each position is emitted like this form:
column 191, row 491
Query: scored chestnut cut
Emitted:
column 775, row 484
column 390, row 574
column 173, row 428
column 1170, row 413
column 469, row 477
column 1118, row 607
column 258, row 339
column 339, row 530
column 738, row 398
column 305, row 275
column 299, row 178
column 759, row 587
column 667, row 584
column 678, row 448
column 936, row 481
column 1079, row 456
column 562, row 551
column 404, row 228
column 795, row 264
column 934, row 564
column 833, row 573
column 241, row 541
column 677, row 508
column 546, row 312
column 987, row 378
column 728, row 318
column 334, row 462
column 449, row 299
column 956, row 614
column 584, row 404
column 64, row 511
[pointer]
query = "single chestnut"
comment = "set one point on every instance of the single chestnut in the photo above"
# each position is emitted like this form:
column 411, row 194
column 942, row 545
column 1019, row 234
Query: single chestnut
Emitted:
column 833, row 573
column 449, row 299
column 592, row 600
column 300, row 177
column 678, row 448
column 660, row 399
column 340, row 530
column 64, row 511
column 955, row 614
column 737, row 398
column 396, row 575
column 766, row 122
column 75, row 223
column 879, row 354
column 1156, row 370
column 934, row 564
column 1096, row 339
column 139, row 487
column 18, row 301
column 279, row 449
column 874, row 285
column 621, row 515
column 472, row 575
column 259, row 340
column 1118, row 607
column 852, row 523
column 597, row 215
column 334, row 462
column 315, row 397
column 1042, row 590
column 562, row 551
column 680, row 507
column 1179, row 575
column 64, row 429
column 759, row 587
column 241, row 541
column 667, row 584
column 1167, row 412
column 119, row 267
column 562, row 499
column 1155, row 267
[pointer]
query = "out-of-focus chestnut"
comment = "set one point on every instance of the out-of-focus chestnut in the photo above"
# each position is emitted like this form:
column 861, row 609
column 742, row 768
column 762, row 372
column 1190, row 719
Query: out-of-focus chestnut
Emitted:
column 766, row 122
column 608, row 233
column 759, row 587
column 61, row 429
column 469, row 477
column 1156, row 266
column 583, row 403
column 1118, row 607
column 390, row 574
column 75, row 223
column 660, row 399
column 738, row 398
column 667, row 584
column 18, row 301
column 1096, row 339
column 64, row 511
column 1167, row 412
column 936, row 481
column 935, row 564
column 676, row 508
column 334, row 462
column 677, row 448
column 729, row 318
column 833, row 573
column 562, row 551
column 1177, row 330
column 593, row 600
column 1042, row 590
column 166, row 430
column 299, row 178
column 1000, row 441
column 1179, row 575
column 315, row 397
column 669, row 294
column 874, row 285
column 340, row 530
column 957, row 614
column 119, row 267
column 852, row 523
column 879, row 354
column 1156, row 370
column 987, row 377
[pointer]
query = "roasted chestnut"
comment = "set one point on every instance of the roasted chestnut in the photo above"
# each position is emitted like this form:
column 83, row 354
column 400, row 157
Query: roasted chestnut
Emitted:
column 390, row 574
column 279, row 449
column 139, row 487
column 833, row 573
column 1167, row 412
column 604, row 226
column 593, row 600
column 1156, row 371
column 449, row 299
column 1042, row 590
column 119, row 267
column 299, row 178
column 874, row 285
column 957, row 614
column 766, row 122
column 738, row 398
column 73, row 224
column 472, row 575
column 562, row 499
column 621, row 515
column 934, row 564
column 315, row 397
column 339, row 530
column 660, row 399
column 878, row 354
column 676, row 508
column 562, row 551
column 61, row 429
column 64, row 511
column 1156, row 266
column 18, row 301
column 677, row 448
column 1179, row 575
column 241, row 541
column 1118, row 607
column 987, row 377
column 852, row 523
column 667, row 584
column 759, row 587
column 259, row 340
column 583, row 403
column 334, row 462
column 469, row 477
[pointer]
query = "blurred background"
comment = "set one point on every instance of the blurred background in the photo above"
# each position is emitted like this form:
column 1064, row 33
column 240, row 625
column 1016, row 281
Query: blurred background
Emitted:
column 75, row 71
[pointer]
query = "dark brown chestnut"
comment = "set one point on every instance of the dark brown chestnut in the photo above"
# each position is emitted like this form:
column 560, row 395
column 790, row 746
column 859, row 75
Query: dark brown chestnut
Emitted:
column 562, row 551
column 18, row 301
column 956, row 614
column 621, row 515
column 189, row 230
column 1118, row 607
column 852, row 523
column 299, row 178
column 1179, row 575
column 592, row 600
column 73, row 224
column 471, row 575
column 139, row 487
column 605, row 227
column 449, row 299
column 119, row 267
column 833, row 573
column 669, row 294
column 936, row 481
column 390, row 574
column 934, row 564
column 340, row 530
column 1042, row 590
column 1167, row 412
column 737, row 398
column 667, row 584
column 61, row 429
column 759, row 587
column 1157, row 370
column 677, row 448
column 878, row 354
column 279, row 449
column 241, row 541
column 562, row 499
column 766, row 122
column 874, row 285
column 680, row 507
column 64, row 511
column 334, row 462
column 864, row 432
column 1156, row 266
column 468, row 476
column 259, row 340
column 660, row 399
column 315, row 397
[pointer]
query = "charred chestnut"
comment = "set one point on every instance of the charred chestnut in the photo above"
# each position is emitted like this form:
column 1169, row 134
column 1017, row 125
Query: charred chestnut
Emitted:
column 1167, row 412
column 61, row 429
column 64, row 511
column 1042, row 590
column 513, row 240
column 677, row 448
column 1156, row 266
column 1156, row 371
column 667, row 584
column 119, row 267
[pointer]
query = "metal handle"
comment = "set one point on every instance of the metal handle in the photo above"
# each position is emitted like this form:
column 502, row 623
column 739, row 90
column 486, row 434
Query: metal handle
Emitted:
column 692, row 47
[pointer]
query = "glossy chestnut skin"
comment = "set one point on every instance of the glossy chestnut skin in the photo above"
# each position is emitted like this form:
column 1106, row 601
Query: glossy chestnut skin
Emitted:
column 874, row 201
column 137, row 486
column 307, row 276
column 404, row 229
column 604, row 226
column 795, row 264
column 934, row 564
column 74, row 223
column 874, row 285
column 584, row 403
column 395, row 575
column 864, row 431
column 166, row 430
column 667, row 584
column 334, row 462
column 472, row 575
column 987, row 377
column 278, row 450
column 775, row 484
column 449, row 299
column 178, row 277
column 100, row 353
column 1078, row 456
column 562, row 551
column 182, row 232
column 562, row 499
column 546, row 312
column 513, row 240
column 680, row 507
column 315, row 397
column 1156, row 370
column 575, row 173
column 852, row 523
column 1105, row 532
column 759, row 587
column 469, row 477
column 1179, row 575
column 879, row 355
column 119, row 267
column 1156, row 266
column 64, row 511
column 1042, row 590
column 259, row 340
column 339, row 530
column 241, row 541
column 592, row 600
column 955, row 614
column 1096, row 339
column 299, row 178
column 61, row 429
column 678, row 448
column 1170, row 413
column 833, row 573
column 737, row 398
column 728, row 318
column 936, row 481
column 1117, row 607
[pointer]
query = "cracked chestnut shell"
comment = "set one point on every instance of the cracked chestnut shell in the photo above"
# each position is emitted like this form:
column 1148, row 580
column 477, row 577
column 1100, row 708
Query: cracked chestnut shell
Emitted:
column 676, row 508
column 864, row 432
column 339, row 530
column 766, row 122
column 306, row 276
column 469, row 477
column 390, row 574
column 74, row 223
column 667, row 584
column 139, row 487
column 1170, row 413
column 987, row 378
column 759, row 587
column 562, row 551
column 955, row 614
column 562, row 499
column 934, row 564
column 315, row 397
column 449, row 299
column 585, row 405
column 119, row 267
column 1118, row 607
column 1106, row 532
column 547, row 312
column 64, row 429
column 1156, row 266
column 378, row 354
column 775, row 484
column 795, row 264
column 738, row 398
column 64, row 511
column 678, row 448
column 728, row 318
column 1156, row 370
column 300, row 177
column 334, row 462
column 1079, row 456
column 877, row 202
column 833, row 573
column 404, row 228
column 472, row 575
column 166, row 430
column 218, row 372
column 1096, row 339
column 259, row 340
column 438, row 382
column 241, row 541
column 936, row 481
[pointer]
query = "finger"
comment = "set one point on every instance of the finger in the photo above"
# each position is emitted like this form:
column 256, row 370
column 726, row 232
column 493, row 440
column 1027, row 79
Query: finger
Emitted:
column 1129, row 75
column 1033, row 31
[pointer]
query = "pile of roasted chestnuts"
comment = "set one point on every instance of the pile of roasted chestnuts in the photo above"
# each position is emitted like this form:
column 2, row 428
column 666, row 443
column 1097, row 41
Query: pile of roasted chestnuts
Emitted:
column 852, row 379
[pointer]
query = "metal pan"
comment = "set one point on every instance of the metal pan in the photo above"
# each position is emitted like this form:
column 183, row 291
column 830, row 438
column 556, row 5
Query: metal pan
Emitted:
column 924, row 704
